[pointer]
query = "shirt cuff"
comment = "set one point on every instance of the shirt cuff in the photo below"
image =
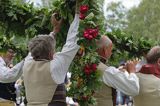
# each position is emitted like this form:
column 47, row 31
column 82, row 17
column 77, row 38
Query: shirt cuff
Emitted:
column 52, row 34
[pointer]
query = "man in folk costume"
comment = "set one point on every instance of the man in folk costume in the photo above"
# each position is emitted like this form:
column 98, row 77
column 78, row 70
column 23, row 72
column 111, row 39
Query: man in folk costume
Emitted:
column 41, row 70
column 149, row 79
column 43, row 73
column 126, row 82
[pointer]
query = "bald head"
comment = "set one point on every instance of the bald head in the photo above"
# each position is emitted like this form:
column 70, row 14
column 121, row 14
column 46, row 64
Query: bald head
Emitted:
column 153, row 55
column 104, row 47
column 104, row 42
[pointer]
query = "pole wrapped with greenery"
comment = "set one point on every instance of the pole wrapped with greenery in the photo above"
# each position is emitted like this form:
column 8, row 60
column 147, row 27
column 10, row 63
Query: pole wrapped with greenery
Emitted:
column 85, row 78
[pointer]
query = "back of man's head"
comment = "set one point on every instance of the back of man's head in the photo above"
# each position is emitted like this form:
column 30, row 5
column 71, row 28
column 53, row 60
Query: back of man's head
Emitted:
column 104, row 47
column 104, row 41
column 153, row 55
column 41, row 47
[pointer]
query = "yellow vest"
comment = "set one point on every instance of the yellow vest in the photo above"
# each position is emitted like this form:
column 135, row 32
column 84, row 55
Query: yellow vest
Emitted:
column 149, row 94
column 39, row 85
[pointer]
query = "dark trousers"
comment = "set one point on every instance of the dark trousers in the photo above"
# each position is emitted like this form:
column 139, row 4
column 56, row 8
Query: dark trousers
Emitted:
column 58, row 104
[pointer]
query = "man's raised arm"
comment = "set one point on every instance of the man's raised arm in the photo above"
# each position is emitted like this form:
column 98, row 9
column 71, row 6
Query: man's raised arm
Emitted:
column 63, row 59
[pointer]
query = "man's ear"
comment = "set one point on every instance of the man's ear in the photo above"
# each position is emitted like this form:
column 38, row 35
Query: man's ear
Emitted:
column 51, row 55
column 105, row 50
column 158, row 61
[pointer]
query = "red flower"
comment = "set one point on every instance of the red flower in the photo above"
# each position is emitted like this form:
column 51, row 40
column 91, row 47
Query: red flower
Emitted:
column 82, row 16
column 85, row 35
column 90, row 33
column 87, row 70
column 94, row 67
column 84, row 9
column 90, row 37
column 95, row 32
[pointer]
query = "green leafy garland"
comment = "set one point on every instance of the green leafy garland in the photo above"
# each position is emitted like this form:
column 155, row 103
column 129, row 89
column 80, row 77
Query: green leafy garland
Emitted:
column 85, row 76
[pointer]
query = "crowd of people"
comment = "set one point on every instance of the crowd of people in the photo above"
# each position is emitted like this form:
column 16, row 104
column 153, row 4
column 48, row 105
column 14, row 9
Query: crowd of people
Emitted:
column 44, row 72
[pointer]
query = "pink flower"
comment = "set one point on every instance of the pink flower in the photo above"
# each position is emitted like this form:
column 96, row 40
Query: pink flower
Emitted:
column 84, row 9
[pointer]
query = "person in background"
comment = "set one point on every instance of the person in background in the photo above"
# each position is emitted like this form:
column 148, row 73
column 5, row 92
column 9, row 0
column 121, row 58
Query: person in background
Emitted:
column 7, row 90
column 149, row 79
column 121, row 98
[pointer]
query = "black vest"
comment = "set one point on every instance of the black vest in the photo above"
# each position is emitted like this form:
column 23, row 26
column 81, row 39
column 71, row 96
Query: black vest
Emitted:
column 7, row 91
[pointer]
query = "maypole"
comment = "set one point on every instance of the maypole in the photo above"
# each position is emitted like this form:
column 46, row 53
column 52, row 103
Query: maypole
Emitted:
column 86, row 79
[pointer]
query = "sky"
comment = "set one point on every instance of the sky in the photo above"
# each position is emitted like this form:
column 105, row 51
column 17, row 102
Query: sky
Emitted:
column 127, row 3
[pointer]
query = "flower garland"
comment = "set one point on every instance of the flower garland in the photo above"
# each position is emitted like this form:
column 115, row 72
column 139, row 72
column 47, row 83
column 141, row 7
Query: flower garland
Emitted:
column 86, row 79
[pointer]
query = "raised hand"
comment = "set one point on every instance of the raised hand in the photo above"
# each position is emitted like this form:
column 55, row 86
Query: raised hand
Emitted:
column 56, row 23
column 136, row 61
column 131, row 67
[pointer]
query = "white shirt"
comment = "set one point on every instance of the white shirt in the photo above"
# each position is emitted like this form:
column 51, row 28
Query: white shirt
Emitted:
column 10, row 74
column 60, row 63
column 121, row 80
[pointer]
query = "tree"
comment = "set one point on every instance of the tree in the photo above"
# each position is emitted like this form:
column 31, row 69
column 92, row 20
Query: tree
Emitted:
column 144, row 20
column 116, row 16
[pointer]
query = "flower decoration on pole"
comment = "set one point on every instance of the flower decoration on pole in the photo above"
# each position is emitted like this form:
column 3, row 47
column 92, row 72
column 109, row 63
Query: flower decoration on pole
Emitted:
column 83, row 11
column 90, row 33
column 86, row 79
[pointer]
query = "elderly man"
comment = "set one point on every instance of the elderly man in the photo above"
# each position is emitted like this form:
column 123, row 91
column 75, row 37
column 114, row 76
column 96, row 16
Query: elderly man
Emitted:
column 7, row 90
column 126, row 82
column 149, row 79
column 42, row 71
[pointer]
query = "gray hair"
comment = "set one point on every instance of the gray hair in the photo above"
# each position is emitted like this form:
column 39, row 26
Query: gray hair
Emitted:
column 153, row 55
column 41, row 46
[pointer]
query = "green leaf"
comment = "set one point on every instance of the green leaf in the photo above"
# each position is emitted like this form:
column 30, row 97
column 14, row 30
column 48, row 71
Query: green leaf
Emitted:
column 90, row 16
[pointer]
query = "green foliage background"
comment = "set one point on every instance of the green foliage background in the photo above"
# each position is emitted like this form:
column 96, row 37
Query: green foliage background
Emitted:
column 22, row 21
column 144, row 20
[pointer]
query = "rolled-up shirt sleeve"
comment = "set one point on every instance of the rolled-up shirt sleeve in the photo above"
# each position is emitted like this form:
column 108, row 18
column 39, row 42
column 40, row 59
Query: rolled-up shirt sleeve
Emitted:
column 121, row 80
column 62, row 60
column 10, row 74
